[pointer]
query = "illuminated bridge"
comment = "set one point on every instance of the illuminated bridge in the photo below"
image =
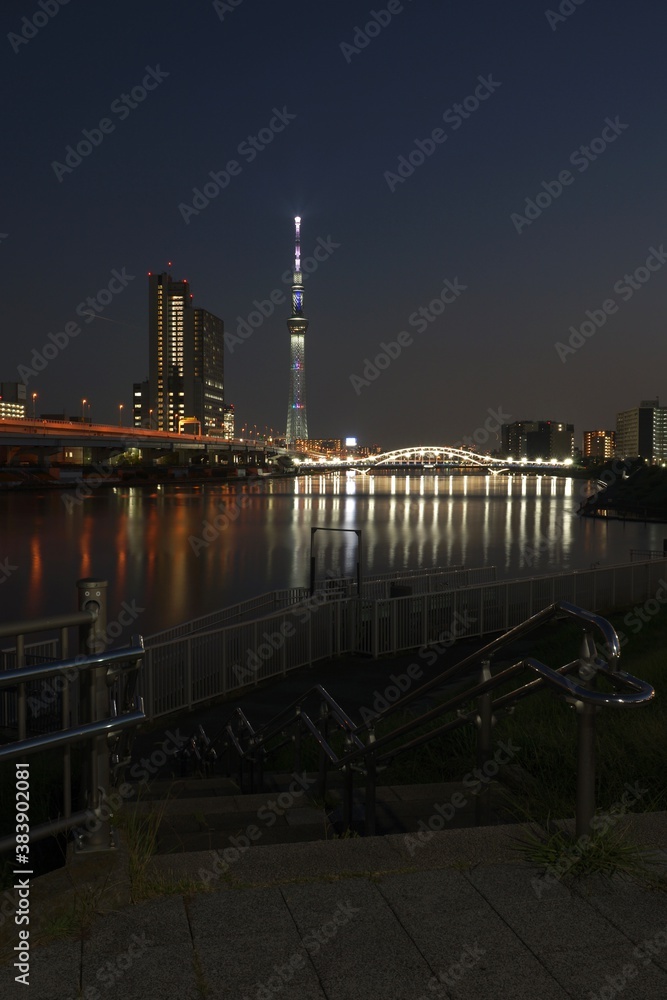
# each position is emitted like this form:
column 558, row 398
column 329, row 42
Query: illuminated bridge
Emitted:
column 441, row 457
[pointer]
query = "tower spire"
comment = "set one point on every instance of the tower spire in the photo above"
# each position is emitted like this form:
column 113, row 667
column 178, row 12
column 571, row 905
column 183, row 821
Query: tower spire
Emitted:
column 297, row 324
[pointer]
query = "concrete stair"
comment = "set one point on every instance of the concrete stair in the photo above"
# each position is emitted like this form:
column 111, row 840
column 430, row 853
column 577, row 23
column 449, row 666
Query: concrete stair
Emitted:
column 206, row 813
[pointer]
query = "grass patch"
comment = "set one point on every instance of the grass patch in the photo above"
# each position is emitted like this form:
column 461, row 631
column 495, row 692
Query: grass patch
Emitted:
column 140, row 837
column 604, row 855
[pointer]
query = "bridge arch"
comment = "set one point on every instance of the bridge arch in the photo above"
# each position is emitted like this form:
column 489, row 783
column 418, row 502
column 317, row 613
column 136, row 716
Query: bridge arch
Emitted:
column 426, row 455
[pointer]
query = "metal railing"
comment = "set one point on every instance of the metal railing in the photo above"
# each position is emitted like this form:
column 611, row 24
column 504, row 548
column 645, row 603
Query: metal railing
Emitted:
column 202, row 666
column 266, row 603
column 93, row 701
column 365, row 753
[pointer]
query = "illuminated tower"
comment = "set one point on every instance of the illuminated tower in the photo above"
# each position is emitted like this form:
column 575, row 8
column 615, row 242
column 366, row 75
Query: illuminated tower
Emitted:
column 297, row 421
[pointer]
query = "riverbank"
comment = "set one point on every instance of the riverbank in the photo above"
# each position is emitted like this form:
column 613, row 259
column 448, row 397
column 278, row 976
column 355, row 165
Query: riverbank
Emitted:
column 642, row 496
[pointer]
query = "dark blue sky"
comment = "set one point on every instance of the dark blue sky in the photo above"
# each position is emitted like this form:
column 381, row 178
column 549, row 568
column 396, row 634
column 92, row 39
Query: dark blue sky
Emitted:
column 355, row 115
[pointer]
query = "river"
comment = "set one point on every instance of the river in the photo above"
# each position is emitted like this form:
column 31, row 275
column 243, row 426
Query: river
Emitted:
column 179, row 551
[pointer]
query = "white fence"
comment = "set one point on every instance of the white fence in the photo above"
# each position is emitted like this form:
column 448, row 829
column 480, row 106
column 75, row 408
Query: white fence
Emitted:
column 192, row 669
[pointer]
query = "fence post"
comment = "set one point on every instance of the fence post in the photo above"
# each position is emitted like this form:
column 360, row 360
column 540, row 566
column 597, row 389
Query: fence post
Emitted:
column 484, row 721
column 188, row 672
column 425, row 629
column 585, row 767
column 371, row 781
column 94, row 705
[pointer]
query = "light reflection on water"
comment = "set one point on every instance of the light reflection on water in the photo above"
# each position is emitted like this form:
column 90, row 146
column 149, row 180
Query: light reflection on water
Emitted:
column 181, row 551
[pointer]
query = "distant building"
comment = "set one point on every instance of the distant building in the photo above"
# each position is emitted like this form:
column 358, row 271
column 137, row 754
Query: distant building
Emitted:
column 533, row 439
column 13, row 404
column 142, row 414
column 642, row 432
column 208, row 366
column 599, row 444
column 228, row 421
column 186, row 358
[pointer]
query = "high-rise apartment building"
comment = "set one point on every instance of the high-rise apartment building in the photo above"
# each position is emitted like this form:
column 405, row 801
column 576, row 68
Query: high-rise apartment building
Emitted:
column 642, row 432
column 186, row 359
column 599, row 444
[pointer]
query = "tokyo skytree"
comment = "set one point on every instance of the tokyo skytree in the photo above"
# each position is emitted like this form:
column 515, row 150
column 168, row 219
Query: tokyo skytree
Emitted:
column 297, row 421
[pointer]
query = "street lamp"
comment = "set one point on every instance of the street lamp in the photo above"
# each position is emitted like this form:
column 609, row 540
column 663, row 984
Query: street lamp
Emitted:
column 34, row 409
column 83, row 409
column 150, row 419
column 120, row 414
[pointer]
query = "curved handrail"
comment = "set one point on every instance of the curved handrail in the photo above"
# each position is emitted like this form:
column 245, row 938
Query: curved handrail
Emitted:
column 630, row 691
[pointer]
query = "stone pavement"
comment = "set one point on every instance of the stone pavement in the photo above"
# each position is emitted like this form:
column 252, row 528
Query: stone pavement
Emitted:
column 458, row 916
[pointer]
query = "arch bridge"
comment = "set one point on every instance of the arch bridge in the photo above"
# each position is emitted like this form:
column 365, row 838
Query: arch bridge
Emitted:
column 432, row 456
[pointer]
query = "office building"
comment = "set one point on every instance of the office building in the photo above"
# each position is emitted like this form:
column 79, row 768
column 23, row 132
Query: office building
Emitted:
column 186, row 359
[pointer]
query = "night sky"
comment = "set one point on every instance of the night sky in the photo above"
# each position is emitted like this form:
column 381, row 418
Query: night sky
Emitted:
column 223, row 72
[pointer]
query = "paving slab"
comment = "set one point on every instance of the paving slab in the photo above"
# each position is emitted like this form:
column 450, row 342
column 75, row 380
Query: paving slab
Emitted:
column 354, row 942
column 473, row 950
column 54, row 974
column 143, row 952
column 548, row 918
column 245, row 941
column 638, row 912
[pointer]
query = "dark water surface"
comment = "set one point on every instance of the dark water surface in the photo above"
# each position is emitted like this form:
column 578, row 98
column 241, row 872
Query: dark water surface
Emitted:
column 183, row 550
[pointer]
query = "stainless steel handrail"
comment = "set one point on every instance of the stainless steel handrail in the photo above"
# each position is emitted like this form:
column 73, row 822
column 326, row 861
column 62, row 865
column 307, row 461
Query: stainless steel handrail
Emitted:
column 105, row 672
column 585, row 698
